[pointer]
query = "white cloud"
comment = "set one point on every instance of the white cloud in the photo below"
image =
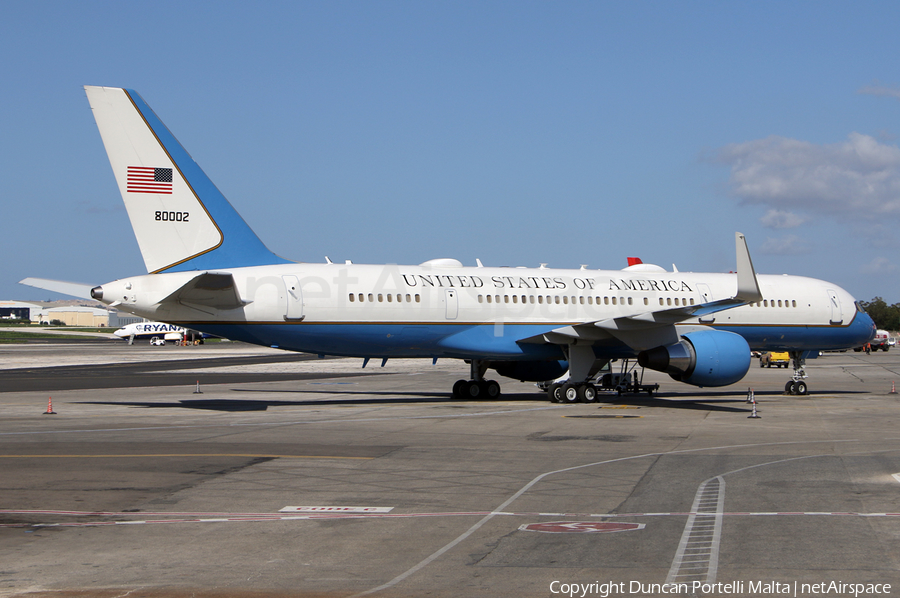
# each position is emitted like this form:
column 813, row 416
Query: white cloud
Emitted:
column 859, row 178
column 789, row 245
column 782, row 219
column 880, row 90
column 879, row 265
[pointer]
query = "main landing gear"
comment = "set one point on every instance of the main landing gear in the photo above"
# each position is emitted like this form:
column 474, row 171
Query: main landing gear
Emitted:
column 796, row 385
column 569, row 392
column 477, row 387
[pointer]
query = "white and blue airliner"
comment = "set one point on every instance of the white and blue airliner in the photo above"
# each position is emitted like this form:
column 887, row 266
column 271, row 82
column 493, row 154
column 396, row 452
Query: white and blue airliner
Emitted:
column 208, row 271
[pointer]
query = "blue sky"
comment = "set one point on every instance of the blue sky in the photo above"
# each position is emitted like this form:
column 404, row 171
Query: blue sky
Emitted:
column 515, row 132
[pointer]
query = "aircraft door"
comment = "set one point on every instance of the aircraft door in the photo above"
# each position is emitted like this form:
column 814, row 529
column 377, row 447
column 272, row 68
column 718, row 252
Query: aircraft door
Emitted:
column 294, row 308
column 703, row 288
column 452, row 300
column 837, row 314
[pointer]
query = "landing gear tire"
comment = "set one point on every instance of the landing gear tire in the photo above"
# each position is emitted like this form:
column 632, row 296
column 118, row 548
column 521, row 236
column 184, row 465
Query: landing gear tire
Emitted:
column 555, row 393
column 570, row 393
column 587, row 393
column 472, row 389
column 798, row 387
column 458, row 387
column 492, row 389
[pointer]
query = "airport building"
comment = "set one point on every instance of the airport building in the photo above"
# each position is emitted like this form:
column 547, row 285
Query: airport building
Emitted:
column 18, row 310
column 70, row 315
column 92, row 317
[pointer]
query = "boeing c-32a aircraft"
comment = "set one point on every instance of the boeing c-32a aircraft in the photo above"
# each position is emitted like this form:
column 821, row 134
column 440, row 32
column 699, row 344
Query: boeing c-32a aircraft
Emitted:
column 208, row 271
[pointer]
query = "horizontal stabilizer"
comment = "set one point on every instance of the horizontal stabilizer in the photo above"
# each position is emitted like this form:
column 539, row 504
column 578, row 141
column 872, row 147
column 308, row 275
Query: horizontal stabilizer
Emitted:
column 210, row 289
column 72, row 289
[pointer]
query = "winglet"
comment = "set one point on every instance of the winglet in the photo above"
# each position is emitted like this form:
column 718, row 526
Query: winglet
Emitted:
column 748, row 286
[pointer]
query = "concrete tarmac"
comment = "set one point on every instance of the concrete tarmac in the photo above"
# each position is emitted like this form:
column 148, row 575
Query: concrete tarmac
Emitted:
column 294, row 476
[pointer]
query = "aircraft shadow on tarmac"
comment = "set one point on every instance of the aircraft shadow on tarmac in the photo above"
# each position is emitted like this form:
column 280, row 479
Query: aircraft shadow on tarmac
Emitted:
column 734, row 402
column 262, row 405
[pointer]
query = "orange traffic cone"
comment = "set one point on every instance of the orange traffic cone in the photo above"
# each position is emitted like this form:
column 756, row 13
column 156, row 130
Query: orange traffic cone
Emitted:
column 893, row 389
column 49, row 410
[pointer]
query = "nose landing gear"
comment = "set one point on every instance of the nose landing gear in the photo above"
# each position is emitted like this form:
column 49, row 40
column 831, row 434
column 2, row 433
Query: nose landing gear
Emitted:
column 796, row 385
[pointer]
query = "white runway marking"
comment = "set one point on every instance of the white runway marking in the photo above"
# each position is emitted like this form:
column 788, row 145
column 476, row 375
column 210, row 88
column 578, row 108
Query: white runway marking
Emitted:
column 539, row 478
column 697, row 558
column 336, row 510
column 177, row 517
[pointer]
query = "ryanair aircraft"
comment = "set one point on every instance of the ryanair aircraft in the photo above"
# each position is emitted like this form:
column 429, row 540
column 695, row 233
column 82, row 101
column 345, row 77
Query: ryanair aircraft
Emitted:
column 208, row 271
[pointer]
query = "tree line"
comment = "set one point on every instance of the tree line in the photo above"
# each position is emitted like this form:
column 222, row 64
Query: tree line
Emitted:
column 886, row 317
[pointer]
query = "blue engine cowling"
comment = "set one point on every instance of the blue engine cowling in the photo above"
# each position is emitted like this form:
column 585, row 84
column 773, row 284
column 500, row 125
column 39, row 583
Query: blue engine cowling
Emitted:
column 704, row 358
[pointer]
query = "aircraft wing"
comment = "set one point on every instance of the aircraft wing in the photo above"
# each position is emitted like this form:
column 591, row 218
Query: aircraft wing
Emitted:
column 73, row 289
column 657, row 328
column 208, row 290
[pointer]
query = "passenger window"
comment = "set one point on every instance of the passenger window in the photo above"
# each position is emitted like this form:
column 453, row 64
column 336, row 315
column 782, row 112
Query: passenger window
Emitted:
column 418, row 299
column 630, row 301
column 390, row 298
column 408, row 298
column 489, row 298
column 380, row 298
column 352, row 297
column 614, row 300
column 480, row 298
column 371, row 297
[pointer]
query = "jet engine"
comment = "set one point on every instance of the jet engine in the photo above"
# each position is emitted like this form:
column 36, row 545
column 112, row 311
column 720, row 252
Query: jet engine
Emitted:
column 704, row 358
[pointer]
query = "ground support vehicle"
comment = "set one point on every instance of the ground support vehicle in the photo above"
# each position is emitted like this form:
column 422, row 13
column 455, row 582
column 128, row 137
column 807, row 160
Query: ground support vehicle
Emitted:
column 628, row 380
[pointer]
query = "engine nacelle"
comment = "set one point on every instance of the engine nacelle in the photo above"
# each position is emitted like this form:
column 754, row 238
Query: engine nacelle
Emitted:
column 705, row 358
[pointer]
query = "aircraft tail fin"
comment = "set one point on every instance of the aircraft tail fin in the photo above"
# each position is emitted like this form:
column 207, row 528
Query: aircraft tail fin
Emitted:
column 180, row 219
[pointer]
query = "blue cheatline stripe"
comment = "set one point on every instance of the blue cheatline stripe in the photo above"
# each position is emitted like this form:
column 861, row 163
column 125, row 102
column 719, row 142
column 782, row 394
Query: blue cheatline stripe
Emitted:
column 772, row 338
column 393, row 340
column 485, row 341
column 240, row 246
